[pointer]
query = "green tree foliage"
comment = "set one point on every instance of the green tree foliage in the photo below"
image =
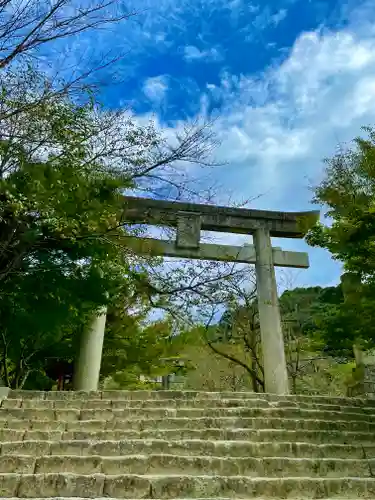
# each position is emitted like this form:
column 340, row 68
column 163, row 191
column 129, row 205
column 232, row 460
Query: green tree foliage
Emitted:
column 347, row 323
column 239, row 327
column 309, row 337
column 61, row 222
column 206, row 369
column 56, row 261
column 309, row 312
column 65, row 163
column 298, row 306
column 134, row 345
column 348, row 190
column 38, row 317
column 338, row 320
column 317, row 362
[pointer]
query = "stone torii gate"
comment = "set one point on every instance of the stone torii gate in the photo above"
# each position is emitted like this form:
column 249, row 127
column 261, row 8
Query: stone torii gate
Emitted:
column 189, row 219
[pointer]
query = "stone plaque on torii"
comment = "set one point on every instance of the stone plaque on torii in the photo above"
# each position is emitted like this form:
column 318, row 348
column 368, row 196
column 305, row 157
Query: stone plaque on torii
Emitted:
column 190, row 219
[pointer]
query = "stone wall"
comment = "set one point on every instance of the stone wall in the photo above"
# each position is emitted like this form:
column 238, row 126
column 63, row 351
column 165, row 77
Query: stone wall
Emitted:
column 364, row 385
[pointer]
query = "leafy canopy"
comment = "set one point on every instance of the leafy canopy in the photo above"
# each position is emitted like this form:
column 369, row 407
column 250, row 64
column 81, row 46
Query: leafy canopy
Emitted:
column 348, row 190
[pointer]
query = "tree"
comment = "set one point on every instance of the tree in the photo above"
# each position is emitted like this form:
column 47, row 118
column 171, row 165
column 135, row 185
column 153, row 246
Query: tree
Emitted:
column 297, row 306
column 236, row 337
column 63, row 169
column 198, row 294
column 323, row 325
column 52, row 268
column 64, row 165
column 239, row 326
column 348, row 190
column 38, row 317
column 61, row 219
column 207, row 370
column 133, row 346
column 343, row 326
column 298, row 322
column 300, row 313
column 28, row 29
column 26, row 26
column 316, row 359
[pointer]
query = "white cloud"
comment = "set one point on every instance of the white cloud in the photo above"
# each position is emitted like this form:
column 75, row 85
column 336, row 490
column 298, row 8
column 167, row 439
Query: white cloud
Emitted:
column 277, row 128
column 192, row 53
column 279, row 16
column 155, row 88
column 266, row 18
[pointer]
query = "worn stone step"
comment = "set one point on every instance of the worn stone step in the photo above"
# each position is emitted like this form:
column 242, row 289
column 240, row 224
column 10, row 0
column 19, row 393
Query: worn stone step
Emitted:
column 186, row 395
column 190, row 413
column 69, row 423
column 257, row 435
column 216, row 498
column 180, row 486
column 169, row 464
column 187, row 447
column 107, row 404
column 152, row 413
column 89, row 404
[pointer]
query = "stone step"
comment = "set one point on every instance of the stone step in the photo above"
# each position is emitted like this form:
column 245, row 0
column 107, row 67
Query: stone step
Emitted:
column 111, row 498
column 15, row 433
column 152, row 413
column 216, row 498
column 181, row 486
column 62, row 422
column 107, row 448
column 108, row 404
column 103, row 404
column 185, row 444
column 185, row 395
column 172, row 465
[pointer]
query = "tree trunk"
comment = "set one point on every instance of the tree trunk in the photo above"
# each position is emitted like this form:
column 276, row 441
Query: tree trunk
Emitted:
column 23, row 379
column 20, row 375
column 5, row 370
column 254, row 380
column 294, row 383
column 236, row 361
column 358, row 355
column 5, row 360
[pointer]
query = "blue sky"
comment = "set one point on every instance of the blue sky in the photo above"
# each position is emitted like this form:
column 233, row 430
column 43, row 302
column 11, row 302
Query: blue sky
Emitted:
column 288, row 80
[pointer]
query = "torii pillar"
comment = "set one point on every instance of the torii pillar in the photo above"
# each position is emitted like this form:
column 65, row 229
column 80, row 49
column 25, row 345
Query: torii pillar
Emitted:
column 87, row 366
column 275, row 369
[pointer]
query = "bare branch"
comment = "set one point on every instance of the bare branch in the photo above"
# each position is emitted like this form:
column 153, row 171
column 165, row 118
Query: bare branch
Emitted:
column 24, row 30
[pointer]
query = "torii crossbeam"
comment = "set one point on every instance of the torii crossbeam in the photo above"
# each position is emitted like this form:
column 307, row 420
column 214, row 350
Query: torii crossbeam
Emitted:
column 190, row 219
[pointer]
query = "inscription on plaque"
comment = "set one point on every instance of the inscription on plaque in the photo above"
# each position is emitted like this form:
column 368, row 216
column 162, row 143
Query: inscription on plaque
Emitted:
column 188, row 230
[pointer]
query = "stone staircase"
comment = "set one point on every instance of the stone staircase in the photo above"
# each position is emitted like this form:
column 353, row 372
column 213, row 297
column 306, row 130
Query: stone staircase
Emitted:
column 185, row 445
